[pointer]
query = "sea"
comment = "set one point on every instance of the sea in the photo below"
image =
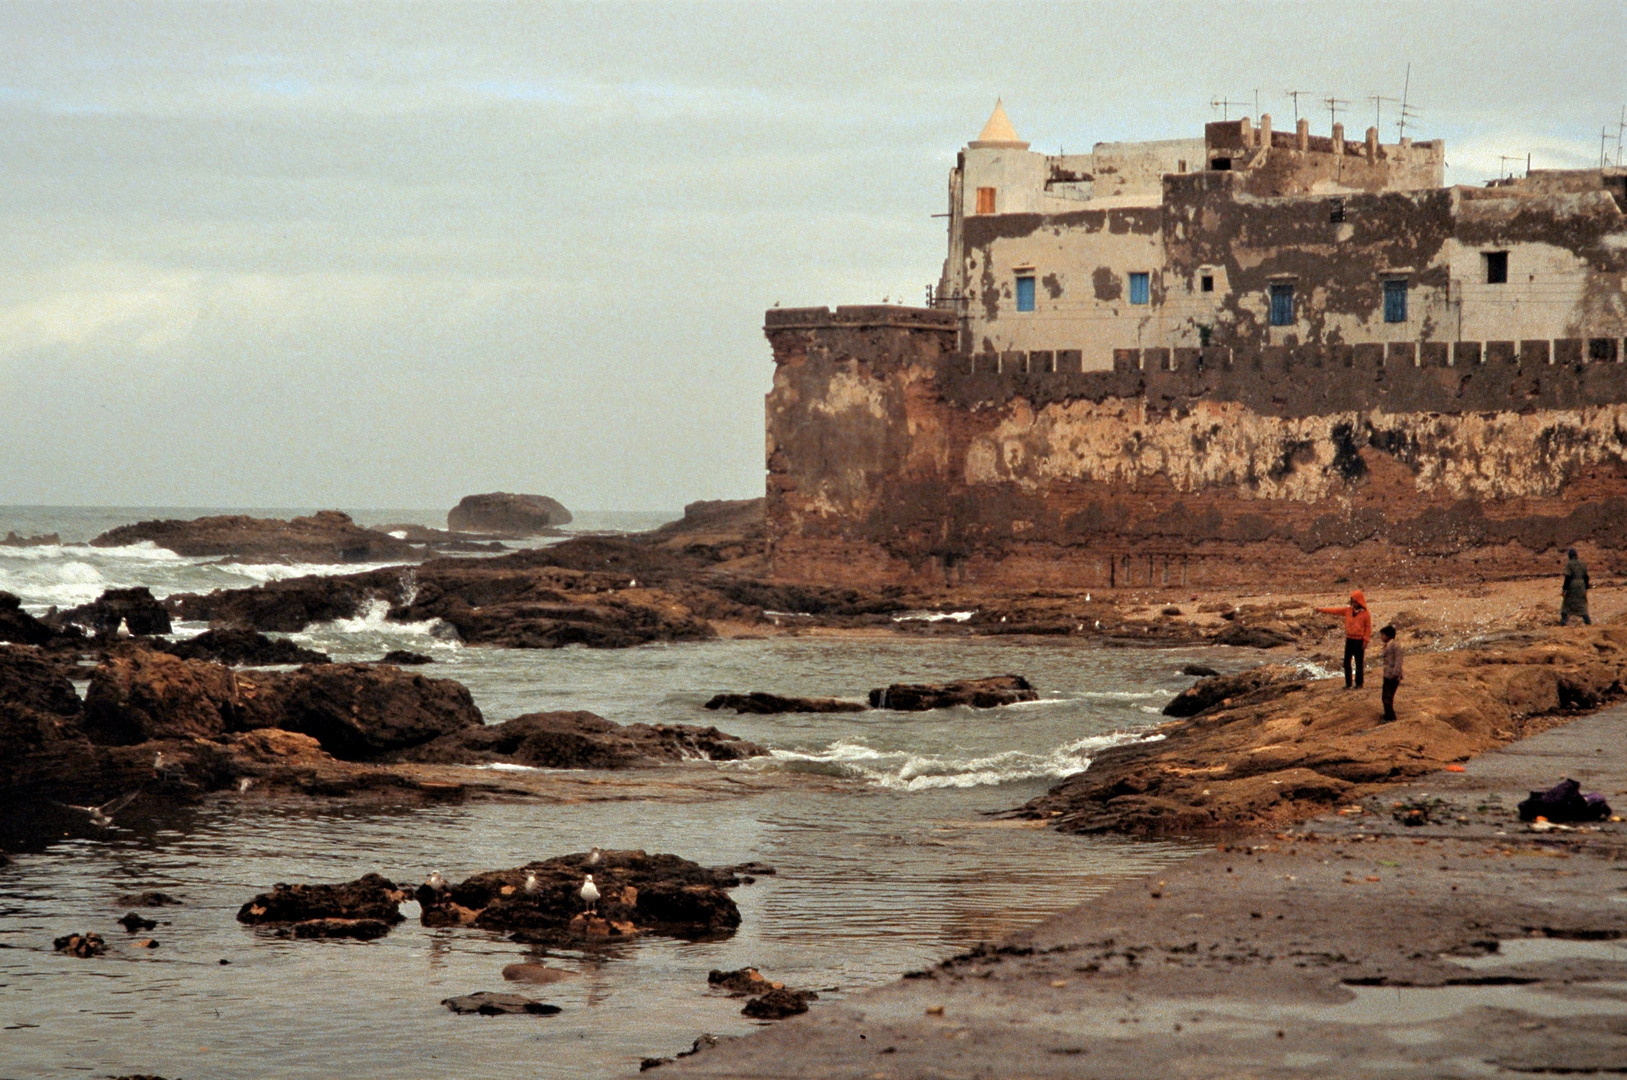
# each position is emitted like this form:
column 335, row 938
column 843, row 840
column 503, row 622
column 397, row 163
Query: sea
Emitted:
column 882, row 828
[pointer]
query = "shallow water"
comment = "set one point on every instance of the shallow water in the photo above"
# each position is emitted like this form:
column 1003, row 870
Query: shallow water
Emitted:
column 876, row 822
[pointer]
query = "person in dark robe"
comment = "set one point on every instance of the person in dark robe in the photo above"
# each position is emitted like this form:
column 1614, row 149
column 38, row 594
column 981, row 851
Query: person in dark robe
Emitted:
column 1576, row 587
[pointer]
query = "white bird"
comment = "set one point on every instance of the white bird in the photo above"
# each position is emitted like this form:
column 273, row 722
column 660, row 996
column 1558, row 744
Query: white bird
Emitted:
column 165, row 771
column 102, row 816
column 589, row 892
column 436, row 881
column 532, row 885
column 595, row 857
column 244, row 784
column 634, row 584
column 1087, row 598
column 123, row 629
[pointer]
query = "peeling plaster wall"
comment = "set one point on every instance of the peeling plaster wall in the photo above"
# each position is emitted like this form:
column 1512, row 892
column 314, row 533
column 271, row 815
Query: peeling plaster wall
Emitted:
column 882, row 469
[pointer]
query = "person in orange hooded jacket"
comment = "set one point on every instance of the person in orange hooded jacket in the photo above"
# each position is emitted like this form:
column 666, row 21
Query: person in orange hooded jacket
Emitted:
column 1358, row 632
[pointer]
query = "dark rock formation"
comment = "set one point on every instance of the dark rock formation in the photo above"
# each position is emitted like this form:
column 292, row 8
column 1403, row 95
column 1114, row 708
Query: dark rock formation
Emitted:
column 486, row 1003
column 371, row 897
column 778, row 1004
column 43, row 540
column 141, row 695
column 19, row 626
column 986, row 693
column 291, row 605
column 30, row 679
column 1230, row 688
column 763, row 703
column 740, row 982
column 403, row 656
column 325, row 537
column 639, row 893
column 538, row 974
column 440, row 539
column 1203, row 671
column 81, row 945
column 136, row 608
column 359, row 929
column 357, row 711
column 150, row 898
column 500, row 513
column 238, row 646
column 1253, row 637
column 133, row 922
column 581, row 740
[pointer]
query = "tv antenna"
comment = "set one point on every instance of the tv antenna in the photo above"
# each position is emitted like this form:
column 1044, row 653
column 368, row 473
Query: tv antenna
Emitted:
column 1407, row 111
column 1296, row 95
column 1504, row 159
column 1225, row 106
column 1378, row 101
column 1604, row 135
column 1621, row 129
column 1335, row 107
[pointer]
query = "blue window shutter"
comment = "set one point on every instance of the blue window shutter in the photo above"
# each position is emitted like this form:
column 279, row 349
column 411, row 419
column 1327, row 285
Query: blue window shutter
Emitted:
column 1139, row 291
column 1395, row 301
column 1025, row 294
column 1282, row 305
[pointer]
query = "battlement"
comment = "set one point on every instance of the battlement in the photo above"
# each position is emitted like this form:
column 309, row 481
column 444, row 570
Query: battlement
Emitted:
column 859, row 316
column 1439, row 377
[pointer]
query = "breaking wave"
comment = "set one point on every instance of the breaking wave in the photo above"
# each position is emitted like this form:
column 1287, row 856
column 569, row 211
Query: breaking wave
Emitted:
column 903, row 770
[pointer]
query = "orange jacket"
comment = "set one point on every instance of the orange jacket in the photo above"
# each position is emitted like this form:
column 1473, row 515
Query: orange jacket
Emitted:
column 1358, row 620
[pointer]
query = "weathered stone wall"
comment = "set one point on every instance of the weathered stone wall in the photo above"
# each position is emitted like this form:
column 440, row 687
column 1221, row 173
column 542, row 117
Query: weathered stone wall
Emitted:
column 892, row 457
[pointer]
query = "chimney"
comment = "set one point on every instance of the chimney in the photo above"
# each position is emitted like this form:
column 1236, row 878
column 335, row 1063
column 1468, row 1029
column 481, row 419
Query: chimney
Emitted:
column 1338, row 138
column 1302, row 135
column 1265, row 130
column 1372, row 144
column 1245, row 131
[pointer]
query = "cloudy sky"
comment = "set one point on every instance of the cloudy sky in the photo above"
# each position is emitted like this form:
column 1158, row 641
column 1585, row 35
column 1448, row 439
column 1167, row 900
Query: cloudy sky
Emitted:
column 379, row 254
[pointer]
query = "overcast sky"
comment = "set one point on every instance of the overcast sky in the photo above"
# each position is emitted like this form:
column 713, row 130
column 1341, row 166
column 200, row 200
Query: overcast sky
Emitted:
column 390, row 254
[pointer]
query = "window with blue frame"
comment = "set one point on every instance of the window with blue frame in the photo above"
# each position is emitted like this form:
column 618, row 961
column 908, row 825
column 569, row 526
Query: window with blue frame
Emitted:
column 1140, row 291
column 1282, row 304
column 1395, row 301
column 1025, row 293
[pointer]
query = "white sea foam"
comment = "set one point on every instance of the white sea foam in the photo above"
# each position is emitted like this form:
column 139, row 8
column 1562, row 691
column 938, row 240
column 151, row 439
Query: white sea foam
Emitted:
column 902, row 770
column 503, row 766
column 934, row 616
column 374, row 619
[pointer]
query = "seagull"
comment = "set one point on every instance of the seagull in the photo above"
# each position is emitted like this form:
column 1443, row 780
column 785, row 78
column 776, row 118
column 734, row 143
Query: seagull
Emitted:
column 123, row 629
column 436, row 881
column 165, row 771
column 589, row 893
column 595, row 857
column 532, row 885
column 102, row 816
column 244, row 783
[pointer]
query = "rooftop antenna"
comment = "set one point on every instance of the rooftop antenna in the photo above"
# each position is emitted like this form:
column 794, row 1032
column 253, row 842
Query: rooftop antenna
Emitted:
column 1225, row 106
column 1296, row 95
column 1335, row 107
column 1256, row 101
column 1378, row 101
column 1621, row 129
column 1407, row 112
column 1504, row 159
column 1604, row 159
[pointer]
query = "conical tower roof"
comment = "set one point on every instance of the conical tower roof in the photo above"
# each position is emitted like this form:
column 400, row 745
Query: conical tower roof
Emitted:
column 998, row 132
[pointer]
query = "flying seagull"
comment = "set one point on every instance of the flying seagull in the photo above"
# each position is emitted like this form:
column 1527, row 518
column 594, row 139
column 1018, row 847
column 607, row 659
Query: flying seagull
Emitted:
column 589, row 893
column 102, row 816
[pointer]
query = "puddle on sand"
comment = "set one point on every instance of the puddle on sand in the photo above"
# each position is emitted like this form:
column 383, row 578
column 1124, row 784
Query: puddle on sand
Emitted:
column 1542, row 950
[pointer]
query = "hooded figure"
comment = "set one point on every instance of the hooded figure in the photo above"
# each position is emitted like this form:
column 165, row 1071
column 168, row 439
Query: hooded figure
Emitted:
column 1576, row 587
column 1358, row 631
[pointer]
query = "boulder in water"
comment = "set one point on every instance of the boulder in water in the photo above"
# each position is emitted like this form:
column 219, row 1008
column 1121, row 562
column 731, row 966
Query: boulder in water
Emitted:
column 401, row 657
column 241, row 646
column 500, row 513
column 779, row 1004
column 136, row 608
column 372, row 897
column 762, row 703
column 43, row 540
column 359, row 711
column 486, row 1003
column 328, row 536
column 581, row 740
column 133, row 922
column 987, row 693
column 82, row 945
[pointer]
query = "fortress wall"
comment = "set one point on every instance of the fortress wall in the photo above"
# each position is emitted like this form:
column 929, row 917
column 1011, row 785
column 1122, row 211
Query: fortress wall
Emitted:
column 891, row 458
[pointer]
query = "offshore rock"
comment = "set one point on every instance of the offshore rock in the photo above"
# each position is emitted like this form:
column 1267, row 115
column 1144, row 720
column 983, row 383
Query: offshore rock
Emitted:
column 358, row 711
column 43, row 540
column 240, row 646
column 486, row 1003
column 81, row 945
column 1219, row 688
column 370, row 897
column 325, row 537
column 741, row 982
column 148, row 898
column 141, row 613
column 762, row 703
column 500, row 513
column 779, row 1004
column 133, row 922
column 639, row 893
column 291, row 605
column 987, row 693
column 403, row 656
column 581, row 740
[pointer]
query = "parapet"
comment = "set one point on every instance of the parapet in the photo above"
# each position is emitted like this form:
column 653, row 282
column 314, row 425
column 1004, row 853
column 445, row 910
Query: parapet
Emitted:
column 860, row 316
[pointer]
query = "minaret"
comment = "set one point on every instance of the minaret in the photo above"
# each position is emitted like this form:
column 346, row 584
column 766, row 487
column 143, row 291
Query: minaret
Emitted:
column 998, row 134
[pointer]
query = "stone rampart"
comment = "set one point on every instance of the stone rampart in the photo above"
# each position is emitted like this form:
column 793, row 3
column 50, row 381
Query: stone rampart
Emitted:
column 892, row 456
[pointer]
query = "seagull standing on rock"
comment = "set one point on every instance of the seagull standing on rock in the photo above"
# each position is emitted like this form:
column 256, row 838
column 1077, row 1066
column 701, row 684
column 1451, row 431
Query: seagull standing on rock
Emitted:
column 436, row 881
column 589, row 893
column 532, row 885
column 594, row 857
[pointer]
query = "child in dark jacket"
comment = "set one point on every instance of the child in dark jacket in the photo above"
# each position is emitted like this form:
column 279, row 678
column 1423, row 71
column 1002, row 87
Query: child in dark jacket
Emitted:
column 1392, row 672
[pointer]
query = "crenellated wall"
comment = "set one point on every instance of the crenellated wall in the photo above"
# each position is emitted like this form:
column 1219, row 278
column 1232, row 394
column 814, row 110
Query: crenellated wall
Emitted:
column 893, row 457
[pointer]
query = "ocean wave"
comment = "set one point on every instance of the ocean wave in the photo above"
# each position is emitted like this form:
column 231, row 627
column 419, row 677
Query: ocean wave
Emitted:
column 374, row 619
column 934, row 616
column 903, row 770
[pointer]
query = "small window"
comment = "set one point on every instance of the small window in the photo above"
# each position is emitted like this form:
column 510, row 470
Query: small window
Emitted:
column 1282, row 304
column 1140, row 291
column 1206, row 283
column 1496, row 267
column 1336, row 211
column 1221, row 164
column 1025, row 293
column 1180, row 166
column 985, row 200
column 1395, row 301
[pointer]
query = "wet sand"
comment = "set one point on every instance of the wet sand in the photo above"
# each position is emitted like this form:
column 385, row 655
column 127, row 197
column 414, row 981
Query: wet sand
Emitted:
column 1352, row 944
